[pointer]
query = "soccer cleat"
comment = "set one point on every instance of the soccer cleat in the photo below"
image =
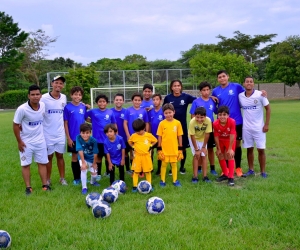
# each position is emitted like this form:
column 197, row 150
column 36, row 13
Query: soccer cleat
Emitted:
column 129, row 172
column 222, row 178
column 28, row 190
column 162, row 184
column 263, row 175
column 76, row 182
column 170, row 172
column 182, row 170
column 142, row 175
column 95, row 184
column 230, row 182
column 239, row 172
column 195, row 180
column 250, row 172
column 46, row 188
column 84, row 191
column 177, row 183
column 134, row 190
column 63, row 182
column 214, row 172
column 205, row 179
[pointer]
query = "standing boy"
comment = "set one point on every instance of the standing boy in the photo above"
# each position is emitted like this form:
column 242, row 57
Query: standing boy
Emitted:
column 28, row 130
column 54, row 130
column 73, row 117
column 200, row 128
column 147, row 102
column 225, row 138
column 169, row 144
column 254, row 127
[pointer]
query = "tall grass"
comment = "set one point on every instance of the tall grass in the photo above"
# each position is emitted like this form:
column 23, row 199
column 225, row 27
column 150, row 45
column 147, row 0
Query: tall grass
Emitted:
column 255, row 214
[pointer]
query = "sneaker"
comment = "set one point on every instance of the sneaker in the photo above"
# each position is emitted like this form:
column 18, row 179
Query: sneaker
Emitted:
column 46, row 188
column 95, row 184
column 230, row 182
column 162, row 184
column 182, row 170
column 98, row 177
column 170, row 172
column 49, row 182
column 84, row 191
column 239, row 172
column 142, row 175
column 205, row 179
column 28, row 190
column 76, row 182
column 250, row 172
column 199, row 171
column 222, row 178
column 134, row 190
column 177, row 183
column 263, row 175
column 214, row 172
column 63, row 182
column 195, row 180
column 129, row 172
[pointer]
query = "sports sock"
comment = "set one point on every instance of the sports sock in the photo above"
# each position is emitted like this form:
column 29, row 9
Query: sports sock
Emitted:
column 121, row 172
column 158, row 165
column 83, row 178
column 135, row 179
column 174, row 171
column 231, row 168
column 76, row 170
column 224, row 167
column 182, row 162
column 93, row 179
column 148, row 177
column 163, row 171
column 127, row 163
column 199, row 168
column 212, row 167
column 238, row 157
column 106, row 166
column 99, row 166
column 112, row 175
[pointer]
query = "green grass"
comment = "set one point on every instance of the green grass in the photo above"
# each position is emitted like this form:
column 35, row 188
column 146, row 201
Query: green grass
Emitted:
column 264, row 212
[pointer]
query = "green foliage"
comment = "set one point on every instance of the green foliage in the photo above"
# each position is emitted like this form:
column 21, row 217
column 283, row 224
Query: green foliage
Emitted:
column 205, row 66
column 13, row 98
column 284, row 63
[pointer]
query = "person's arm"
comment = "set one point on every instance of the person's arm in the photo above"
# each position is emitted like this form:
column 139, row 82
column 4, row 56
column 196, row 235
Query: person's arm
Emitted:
column 70, row 141
column 123, row 157
column 218, row 149
column 94, row 165
column 148, row 127
column 110, row 165
column 230, row 152
column 17, row 130
column 203, row 149
column 83, row 165
column 268, row 116
column 125, row 124
column 197, row 150
column 180, row 141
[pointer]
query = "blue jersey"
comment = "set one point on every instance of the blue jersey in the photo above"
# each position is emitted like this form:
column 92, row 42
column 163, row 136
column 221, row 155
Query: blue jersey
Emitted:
column 89, row 148
column 209, row 105
column 229, row 96
column 119, row 116
column 147, row 104
column 99, row 120
column 75, row 117
column 114, row 149
column 132, row 114
column 155, row 117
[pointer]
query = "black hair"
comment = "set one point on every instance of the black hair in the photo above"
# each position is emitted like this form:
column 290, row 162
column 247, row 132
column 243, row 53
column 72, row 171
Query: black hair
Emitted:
column 168, row 106
column 148, row 86
column 33, row 87
column 110, row 126
column 136, row 94
column 76, row 89
column 171, row 85
column 200, row 111
column 248, row 77
column 85, row 127
column 159, row 95
column 138, row 125
column 203, row 85
column 119, row 94
column 223, row 109
column 101, row 96
column 222, row 71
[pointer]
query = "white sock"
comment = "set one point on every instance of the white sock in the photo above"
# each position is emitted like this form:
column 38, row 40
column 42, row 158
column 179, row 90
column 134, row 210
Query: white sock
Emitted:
column 93, row 179
column 83, row 178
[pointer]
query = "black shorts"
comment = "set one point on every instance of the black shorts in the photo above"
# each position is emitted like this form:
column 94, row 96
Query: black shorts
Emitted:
column 211, row 141
column 239, row 132
column 128, row 147
column 185, row 141
column 100, row 150
column 72, row 149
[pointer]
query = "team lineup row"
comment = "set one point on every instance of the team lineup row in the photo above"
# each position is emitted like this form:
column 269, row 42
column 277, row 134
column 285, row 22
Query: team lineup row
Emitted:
column 128, row 135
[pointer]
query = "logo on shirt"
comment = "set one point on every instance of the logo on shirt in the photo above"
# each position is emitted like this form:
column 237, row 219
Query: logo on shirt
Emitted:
column 63, row 104
column 182, row 102
column 122, row 116
column 55, row 111
column 211, row 107
column 119, row 146
column 255, row 101
column 146, row 142
column 160, row 117
column 80, row 111
column 230, row 92
column 175, row 129
column 36, row 123
column 140, row 116
column 151, row 106
column 23, row 158
column 106, row 117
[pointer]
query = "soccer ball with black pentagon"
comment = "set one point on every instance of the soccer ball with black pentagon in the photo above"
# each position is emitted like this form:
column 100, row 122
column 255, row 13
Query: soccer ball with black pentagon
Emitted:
column 155, row 205
column 110, row 195
column 120, row 186
column 101, row 209
column 92, row 198
column 5, row 239
column 144, row 187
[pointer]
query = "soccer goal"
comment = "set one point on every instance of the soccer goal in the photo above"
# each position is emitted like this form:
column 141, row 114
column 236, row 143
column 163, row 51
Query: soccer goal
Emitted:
column 110, row 92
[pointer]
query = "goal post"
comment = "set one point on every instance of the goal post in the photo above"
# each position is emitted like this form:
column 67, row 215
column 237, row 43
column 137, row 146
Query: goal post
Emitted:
column 110, row 92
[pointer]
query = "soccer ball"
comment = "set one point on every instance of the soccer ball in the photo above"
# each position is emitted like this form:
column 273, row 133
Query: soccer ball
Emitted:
column 144, row 187
column 92, row 198
column 120, row 186
column 110, row 195
column 155, row 205
column 5, row 239
column 101, row 209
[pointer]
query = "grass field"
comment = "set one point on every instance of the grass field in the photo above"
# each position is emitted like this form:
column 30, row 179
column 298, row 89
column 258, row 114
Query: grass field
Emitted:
column 264, row 213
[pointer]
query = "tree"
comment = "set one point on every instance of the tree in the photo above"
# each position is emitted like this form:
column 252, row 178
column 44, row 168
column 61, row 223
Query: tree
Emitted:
column 11, row 39
column 205, row 66
column 284, row 64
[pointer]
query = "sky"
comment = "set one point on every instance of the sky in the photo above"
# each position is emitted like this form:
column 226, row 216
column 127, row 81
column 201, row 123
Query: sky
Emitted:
column 158, row 29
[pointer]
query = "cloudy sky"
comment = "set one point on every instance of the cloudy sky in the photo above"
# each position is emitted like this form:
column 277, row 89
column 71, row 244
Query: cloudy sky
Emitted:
column 158, row 29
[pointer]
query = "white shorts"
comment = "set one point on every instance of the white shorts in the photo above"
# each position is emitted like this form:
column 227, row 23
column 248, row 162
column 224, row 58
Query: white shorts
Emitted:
column 91, row 169
column 59, row 148
column 251, row 137
column 199, row 145
column 37, row 151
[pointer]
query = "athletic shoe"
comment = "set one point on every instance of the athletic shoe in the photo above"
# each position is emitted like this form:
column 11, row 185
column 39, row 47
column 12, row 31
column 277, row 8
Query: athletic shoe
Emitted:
column 46, row 188
column 98, row 177
column 134, row 190
column 177, row 183
column 84, row 191
column 63, row 182
column 95, row 184
column 214, row 172
column 162, row 184
column 28, row 190
column 250, row 172
column 49, row 182
column 222, row 178
column 263, row 175
column 129, row 172
column 142, row 175
column 205, row 179
column 230, row 182
column 195, row 180
column 76, row 182
column 182, row 170
column 170, row 172
column 199, row 171
column 239, row 172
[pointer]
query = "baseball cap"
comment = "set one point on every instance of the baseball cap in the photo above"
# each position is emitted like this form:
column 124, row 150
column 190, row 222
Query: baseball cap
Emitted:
column 59, row 77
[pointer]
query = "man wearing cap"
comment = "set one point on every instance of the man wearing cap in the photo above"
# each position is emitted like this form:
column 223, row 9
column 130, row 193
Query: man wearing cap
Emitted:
column 54, row 130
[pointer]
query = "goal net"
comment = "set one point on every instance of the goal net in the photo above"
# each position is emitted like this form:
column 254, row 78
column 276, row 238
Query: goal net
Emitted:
column 110, row 92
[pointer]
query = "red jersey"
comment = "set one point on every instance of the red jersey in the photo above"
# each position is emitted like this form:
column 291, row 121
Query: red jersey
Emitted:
column 224, row 132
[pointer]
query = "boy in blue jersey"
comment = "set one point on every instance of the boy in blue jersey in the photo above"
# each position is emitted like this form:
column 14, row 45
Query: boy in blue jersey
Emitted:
column 210, row 106
column 156, row 115
column 100, row 117
column 114, row 148
column 73, row 118
column 119, row 113
column 147, row 102
column 87, row 148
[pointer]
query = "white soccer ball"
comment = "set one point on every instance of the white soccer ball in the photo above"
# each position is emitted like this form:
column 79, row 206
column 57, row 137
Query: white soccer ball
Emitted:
column 5, row 239
column 92, row 198
column 120, row 186
column 101, row 209
column 144, row 187
column 110, row 195
column 155, row 205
